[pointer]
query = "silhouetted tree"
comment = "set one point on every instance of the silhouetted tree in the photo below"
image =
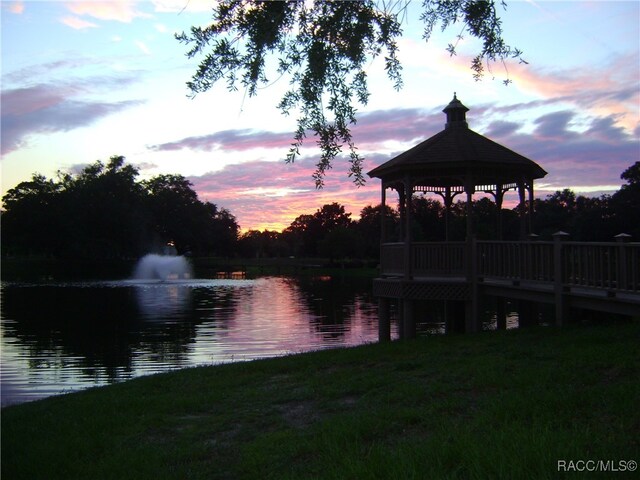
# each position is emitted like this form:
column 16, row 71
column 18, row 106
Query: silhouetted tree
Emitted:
column 625, row 203
column 267, row 243
column 368, row 229
column 103, row 212
column 28, row 223
column 306, row 231
column 428, row 219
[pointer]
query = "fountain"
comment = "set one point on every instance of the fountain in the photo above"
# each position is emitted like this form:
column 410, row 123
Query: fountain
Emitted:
column 162, row 267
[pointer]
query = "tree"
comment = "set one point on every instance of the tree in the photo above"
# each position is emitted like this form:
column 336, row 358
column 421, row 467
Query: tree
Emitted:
column 368, row 229
column 626, row 203
column 183, row 220
column 28, row 222
column 324, row 49
column 306, row 232
column 104, row 212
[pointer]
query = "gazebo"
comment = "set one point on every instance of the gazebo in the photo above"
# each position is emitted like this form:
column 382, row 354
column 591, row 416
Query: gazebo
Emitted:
column 455, row 161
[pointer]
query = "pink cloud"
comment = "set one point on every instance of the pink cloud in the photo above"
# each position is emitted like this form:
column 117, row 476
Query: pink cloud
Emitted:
column 118, row 10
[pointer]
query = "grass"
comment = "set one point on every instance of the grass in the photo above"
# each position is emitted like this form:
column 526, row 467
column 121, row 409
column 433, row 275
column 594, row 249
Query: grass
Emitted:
column 491, row 405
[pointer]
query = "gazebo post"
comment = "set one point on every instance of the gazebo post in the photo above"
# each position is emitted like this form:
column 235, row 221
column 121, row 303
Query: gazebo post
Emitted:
column 530, row 206
column 522, row 211
column 447, row 207
column 401, row 204
column 383, row 211
column 498, row 198
column 469, row 190
column 408, row 319
column 408, row 198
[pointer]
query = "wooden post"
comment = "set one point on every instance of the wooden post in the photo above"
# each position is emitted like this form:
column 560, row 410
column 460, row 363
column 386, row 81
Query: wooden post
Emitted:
column 499, row 197
column 383, row 219
column 527, row 313
column 408, row 261
column 530, row 206
column 455, row 316
column 522, row 211
column 384, row 325
column 472, row 313
column 621, row 269
column 447, row 208
column 409, row 319
column 558, row 287
column 469, row 191
column 401, row 329
column 501, row 314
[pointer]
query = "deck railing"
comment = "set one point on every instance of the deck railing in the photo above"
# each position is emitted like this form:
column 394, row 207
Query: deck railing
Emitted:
column 607, row 265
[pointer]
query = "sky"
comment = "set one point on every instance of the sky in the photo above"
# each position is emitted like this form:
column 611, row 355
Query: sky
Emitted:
column 85, row 80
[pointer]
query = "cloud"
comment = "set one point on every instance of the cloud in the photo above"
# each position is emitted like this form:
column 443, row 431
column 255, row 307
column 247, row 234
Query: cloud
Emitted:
column 585, row 160
column 119, row 11
column 270, row 195
column 46, row 108
column 370, row 133
column 236, row 140
column 612, row 89
column 77, row 23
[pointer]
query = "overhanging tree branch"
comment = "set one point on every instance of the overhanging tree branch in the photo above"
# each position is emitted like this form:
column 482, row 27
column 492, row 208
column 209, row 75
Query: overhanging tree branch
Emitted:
column 323, row 47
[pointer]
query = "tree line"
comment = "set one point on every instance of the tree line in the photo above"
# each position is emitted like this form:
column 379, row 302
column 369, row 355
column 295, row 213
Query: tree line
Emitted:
column 105, row 212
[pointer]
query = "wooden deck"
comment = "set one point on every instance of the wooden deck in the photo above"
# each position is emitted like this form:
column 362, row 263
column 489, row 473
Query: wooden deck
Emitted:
column 603, row 276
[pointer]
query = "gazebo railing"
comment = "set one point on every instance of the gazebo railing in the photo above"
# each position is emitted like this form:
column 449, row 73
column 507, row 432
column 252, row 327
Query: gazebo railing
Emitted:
column 439, row 258
column 516, row 260
column 614, row 266
column 392, row 259
column 427, row 258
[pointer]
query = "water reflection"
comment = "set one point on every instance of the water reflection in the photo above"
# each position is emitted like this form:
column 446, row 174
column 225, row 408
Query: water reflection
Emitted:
column 65, row 336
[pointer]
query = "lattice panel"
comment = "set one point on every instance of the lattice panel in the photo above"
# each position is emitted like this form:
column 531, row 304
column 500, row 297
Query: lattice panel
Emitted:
column 435, row 291
column 387, row 288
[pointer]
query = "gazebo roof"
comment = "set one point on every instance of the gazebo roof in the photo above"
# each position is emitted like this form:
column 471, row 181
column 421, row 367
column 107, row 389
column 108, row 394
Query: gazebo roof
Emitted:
column 457, row 153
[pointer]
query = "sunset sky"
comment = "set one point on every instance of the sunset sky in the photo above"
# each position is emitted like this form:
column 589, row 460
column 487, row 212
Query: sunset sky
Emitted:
column 85, row 80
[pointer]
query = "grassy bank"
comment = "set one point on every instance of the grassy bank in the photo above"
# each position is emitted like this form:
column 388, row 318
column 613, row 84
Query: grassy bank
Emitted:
column 491, row 405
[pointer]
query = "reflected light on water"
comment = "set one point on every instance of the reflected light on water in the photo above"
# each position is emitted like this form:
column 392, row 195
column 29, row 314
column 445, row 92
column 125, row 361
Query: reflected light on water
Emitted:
column 64, row 337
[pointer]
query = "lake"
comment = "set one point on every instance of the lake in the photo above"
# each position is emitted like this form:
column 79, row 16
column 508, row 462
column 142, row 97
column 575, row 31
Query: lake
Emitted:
column 60, row 337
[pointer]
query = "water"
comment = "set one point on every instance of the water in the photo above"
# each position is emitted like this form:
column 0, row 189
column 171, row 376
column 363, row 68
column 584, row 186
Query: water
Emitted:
column 60, row 337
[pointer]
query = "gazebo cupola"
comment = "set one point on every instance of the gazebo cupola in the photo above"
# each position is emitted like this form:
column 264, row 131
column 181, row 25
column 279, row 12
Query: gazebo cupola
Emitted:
column 456, row 114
